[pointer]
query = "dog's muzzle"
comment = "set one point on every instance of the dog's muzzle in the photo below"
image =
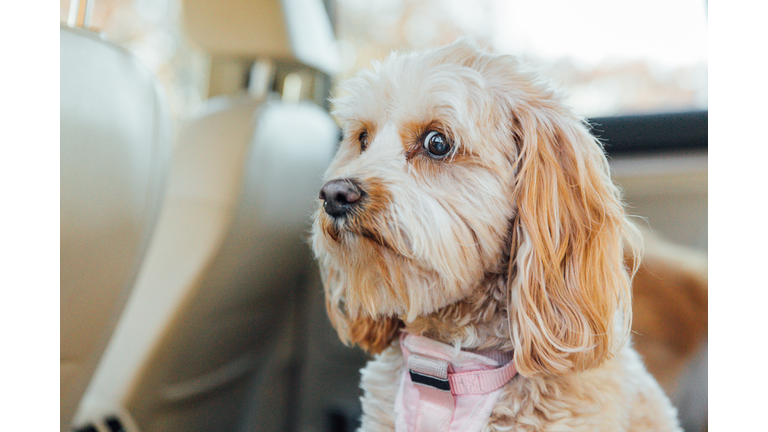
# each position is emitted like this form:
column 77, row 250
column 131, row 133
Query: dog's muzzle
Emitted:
column 340, row 196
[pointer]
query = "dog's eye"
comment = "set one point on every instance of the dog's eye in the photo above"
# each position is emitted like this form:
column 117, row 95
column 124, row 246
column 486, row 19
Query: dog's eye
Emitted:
column 363, row 138
column 436, row 144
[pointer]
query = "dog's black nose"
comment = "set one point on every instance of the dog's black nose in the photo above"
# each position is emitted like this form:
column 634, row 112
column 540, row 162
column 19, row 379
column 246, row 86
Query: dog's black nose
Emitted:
column 340, row 196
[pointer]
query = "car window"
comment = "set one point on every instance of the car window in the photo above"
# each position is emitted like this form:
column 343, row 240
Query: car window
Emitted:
column 612, row 57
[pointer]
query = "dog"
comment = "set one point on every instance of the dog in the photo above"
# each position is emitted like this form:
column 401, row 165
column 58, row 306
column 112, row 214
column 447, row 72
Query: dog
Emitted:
column 469, row 236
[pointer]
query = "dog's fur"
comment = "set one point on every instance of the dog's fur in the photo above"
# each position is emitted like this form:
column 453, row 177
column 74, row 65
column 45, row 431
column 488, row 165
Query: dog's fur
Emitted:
column 669, row 324
column 513, row 241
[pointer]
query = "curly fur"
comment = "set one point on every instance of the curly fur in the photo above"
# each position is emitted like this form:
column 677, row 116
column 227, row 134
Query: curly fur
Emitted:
column 513, row 241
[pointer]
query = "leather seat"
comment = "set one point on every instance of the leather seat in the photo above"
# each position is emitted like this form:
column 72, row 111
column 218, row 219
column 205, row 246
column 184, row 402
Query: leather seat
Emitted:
column 115, row 149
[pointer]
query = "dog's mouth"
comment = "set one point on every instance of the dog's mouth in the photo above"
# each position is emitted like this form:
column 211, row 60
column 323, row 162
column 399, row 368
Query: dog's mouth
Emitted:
column 365, row 227
column 376, row 238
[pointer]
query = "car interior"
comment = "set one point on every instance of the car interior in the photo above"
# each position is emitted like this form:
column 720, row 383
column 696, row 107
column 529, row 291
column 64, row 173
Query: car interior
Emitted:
column 190, row 300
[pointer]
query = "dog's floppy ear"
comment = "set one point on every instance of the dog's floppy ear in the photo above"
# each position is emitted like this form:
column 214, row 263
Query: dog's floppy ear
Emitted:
column 373, row 335
column 567, row 279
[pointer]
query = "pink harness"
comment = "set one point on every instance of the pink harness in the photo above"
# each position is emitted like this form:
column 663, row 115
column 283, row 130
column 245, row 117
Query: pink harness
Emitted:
column 443, row 389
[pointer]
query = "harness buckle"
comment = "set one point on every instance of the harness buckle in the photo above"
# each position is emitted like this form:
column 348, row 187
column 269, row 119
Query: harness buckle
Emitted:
column 429, row 371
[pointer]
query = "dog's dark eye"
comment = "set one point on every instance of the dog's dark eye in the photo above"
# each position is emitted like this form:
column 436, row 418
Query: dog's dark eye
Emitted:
column 436, row 144
column 363, row 138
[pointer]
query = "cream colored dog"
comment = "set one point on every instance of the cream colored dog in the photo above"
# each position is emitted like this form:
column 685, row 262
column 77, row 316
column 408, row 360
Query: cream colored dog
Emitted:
column 467, row 204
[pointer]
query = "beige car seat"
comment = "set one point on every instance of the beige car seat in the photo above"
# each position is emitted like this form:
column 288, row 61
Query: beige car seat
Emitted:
column 207, row 340
column 212, row 313
column 115, row 148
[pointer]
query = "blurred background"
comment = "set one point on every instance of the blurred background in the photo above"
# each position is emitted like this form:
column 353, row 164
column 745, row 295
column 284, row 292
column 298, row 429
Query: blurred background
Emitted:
column 613, row 57
column 216, row 320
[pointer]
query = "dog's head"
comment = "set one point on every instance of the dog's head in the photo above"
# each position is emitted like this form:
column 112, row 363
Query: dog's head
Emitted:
column 457, row 166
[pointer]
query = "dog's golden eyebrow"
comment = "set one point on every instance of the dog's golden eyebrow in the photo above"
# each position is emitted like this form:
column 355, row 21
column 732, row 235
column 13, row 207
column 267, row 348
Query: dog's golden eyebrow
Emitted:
column 414, row 130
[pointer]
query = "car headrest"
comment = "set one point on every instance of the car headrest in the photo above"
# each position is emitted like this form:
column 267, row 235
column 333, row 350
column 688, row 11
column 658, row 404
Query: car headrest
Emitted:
column 297, row 30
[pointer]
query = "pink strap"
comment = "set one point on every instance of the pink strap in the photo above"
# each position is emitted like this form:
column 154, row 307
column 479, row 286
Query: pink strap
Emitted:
column 481, row 382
